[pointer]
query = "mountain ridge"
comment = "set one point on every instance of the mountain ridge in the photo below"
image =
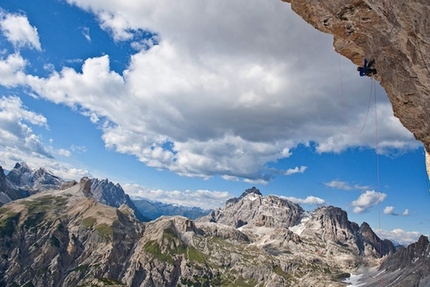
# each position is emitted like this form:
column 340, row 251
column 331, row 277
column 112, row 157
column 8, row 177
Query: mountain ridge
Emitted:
column 66, row 237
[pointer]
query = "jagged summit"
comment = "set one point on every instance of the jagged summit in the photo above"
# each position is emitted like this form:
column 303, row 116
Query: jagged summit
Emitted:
column 109, row 193
column 253, row 242
column 250, row 191
column 252, row 211
column 33, row 180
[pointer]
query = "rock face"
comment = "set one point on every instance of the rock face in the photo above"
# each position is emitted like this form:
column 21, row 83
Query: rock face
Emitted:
column 66, row 238
column 253, row 209
column 407, row 267
column 22, row 181
column 8, row 191
column 56, row 238
column 33, row 180
column 397, row 35
column 329, row 223
column 106, row 192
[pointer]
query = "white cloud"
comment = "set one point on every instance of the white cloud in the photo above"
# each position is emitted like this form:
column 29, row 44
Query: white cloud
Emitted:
column 398, row 235
column 17, row 30
column 17, row 136
column 338, row 184
column 389, row 210
column 313, row 200
column 64, row 152
column 19, row 143
column 12, row 70
column 343, row 185
column 367, row 200
column 295, row 170
column 228, row 91
column 205, row 199
column 86, row 33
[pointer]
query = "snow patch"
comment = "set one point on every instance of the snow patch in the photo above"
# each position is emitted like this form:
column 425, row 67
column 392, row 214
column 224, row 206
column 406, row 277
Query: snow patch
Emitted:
column 252, row 196
column 354, row 280
column 300, row 227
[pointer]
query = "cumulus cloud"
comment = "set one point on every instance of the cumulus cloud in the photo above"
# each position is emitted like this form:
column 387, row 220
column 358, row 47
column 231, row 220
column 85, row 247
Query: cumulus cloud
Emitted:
column 205, row 199
column 217, row 91
column 367, row 200
column 15, row 132
column 20, row 144
column 312, row 200
column 18, row 30
column 398, row 235
column 12, row 70
column 389, row 210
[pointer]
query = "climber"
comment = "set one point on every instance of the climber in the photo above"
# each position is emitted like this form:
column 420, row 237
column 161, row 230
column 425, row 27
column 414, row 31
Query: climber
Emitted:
column 367, row 69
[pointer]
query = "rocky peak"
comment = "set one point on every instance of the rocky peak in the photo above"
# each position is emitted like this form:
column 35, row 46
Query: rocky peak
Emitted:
column 106, row 192
column 331, row 224
column 253, row 192
column 85, row 187
column 20, row 174
column 418, row 251
column 8, row 191
column 409, row 266
column 33, row 180
column 396, row 34
column 253, row 209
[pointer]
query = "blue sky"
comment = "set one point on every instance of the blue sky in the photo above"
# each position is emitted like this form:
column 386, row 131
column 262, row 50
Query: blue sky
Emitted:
column 192, row 102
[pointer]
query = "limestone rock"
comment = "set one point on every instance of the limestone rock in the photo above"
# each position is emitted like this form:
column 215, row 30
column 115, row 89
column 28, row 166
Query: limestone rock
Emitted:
column 397, row 35
column 66, row 238
column 253, row 209
column 85, row 187
column 106, row 192
column 407, row 267
column 8, row 191
column 33, row 180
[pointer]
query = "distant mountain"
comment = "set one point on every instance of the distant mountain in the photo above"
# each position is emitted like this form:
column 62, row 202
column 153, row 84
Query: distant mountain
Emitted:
column 155, row 209
column 22, row 181
column 33, row 180
column 409, row 266
column 66, row 237
column 253, row 209
column 8, row 191
column 106, row 192
column 325, row 224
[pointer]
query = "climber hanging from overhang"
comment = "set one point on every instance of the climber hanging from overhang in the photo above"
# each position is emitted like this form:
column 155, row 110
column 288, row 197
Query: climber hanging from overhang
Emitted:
column 367, row 69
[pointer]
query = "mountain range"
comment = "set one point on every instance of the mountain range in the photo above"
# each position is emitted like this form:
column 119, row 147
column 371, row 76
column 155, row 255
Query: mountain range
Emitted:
column 69, row 236
column 155, row 209
column 22, row 181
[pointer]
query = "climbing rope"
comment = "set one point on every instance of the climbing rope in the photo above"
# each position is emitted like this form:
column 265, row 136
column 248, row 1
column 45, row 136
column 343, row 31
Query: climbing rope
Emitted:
column 345, row 114
column 378, row 177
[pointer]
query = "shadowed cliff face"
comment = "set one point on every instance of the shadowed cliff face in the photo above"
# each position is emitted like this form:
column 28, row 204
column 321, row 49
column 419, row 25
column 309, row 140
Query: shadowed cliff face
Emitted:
column 397, row 35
